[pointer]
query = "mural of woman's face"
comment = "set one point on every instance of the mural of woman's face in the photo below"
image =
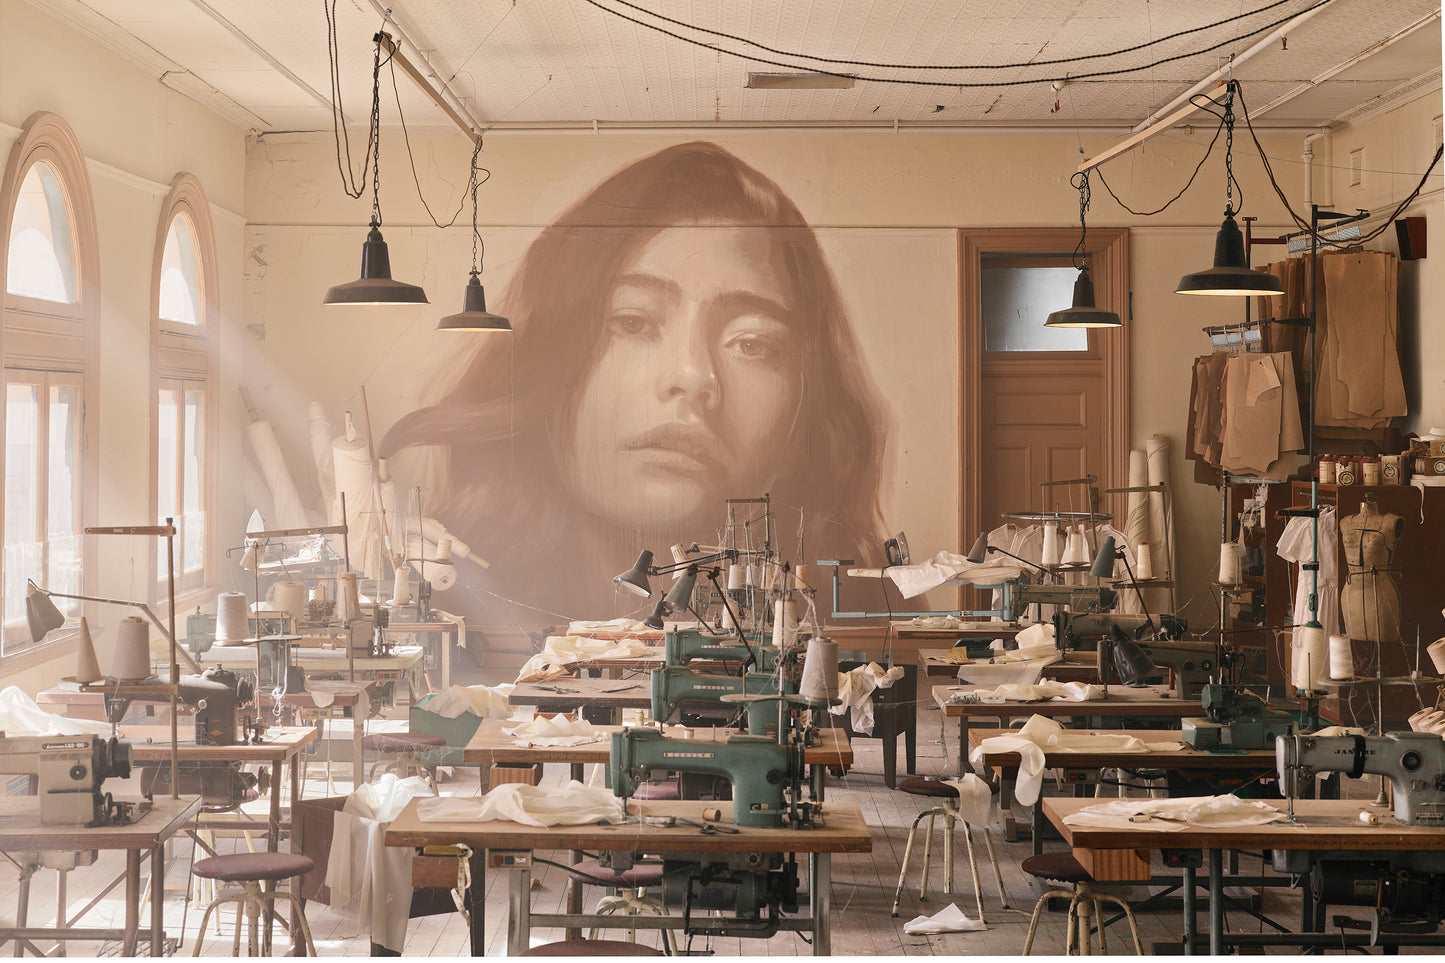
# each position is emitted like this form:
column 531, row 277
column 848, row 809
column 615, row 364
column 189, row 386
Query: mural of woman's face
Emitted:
column 695, row 383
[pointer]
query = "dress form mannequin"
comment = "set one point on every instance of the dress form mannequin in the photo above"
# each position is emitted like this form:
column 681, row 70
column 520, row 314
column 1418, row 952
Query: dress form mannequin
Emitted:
column 1370, row 596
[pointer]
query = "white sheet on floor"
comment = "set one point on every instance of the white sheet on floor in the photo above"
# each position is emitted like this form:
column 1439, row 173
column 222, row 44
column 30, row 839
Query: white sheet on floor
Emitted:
column 572, row 805
column 20, row 713
column 371, row 882
column 1164, row 815
column 950, row 919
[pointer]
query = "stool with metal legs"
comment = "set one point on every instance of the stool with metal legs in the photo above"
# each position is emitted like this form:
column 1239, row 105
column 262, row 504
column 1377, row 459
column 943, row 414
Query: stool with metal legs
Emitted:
column 947, row 808
column 1083, row 900
column 253, row 870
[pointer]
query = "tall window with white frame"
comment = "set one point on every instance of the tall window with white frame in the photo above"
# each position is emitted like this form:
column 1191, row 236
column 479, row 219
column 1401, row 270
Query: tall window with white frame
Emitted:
column 185, row 339
column 47, row 347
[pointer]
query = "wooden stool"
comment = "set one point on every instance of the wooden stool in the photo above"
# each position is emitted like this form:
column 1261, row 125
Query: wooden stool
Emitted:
column 404, row 750
column 1083, row 902
column 590, row 948
column 948, row 809
column 254, row 869
column 632, row 897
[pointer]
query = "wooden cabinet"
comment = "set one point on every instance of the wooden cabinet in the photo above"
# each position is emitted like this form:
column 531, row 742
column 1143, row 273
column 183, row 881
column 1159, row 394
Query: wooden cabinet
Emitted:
column 1421, row 578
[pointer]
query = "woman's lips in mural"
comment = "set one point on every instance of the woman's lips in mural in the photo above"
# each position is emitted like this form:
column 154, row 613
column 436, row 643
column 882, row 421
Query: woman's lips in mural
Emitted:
column 680, row 448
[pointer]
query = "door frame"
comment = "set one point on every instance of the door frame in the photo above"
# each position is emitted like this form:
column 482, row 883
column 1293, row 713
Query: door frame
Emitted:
column 1108, row 253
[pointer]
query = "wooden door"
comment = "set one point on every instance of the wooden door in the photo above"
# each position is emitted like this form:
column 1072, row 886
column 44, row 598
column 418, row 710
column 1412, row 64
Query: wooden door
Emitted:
column 1039, row 404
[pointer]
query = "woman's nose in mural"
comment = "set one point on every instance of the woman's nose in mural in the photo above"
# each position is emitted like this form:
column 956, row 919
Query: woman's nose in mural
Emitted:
column 689, row 367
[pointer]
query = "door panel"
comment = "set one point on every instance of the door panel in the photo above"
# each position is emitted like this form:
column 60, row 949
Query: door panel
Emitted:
column 1037, row 428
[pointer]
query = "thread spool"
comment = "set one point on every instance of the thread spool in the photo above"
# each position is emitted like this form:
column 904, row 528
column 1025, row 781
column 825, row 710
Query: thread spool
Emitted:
column 1051, row 543
column 87, row 666
column 820, row 671
column 1145, row 568
column 289, row 597
column 1436, row 650
column 444, row 550
column 785, row 624
column 401, row 587
column 232, row 624
column 1369, row 818
column 1310, row 647
column 348, row 597
column 737, row 576
column 1229, row 559
column 801, row 575
column 1342, row 657
column 132, row 659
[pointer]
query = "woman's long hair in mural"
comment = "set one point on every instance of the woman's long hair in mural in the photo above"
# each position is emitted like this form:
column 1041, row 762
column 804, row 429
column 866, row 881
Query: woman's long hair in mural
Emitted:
column 522, row 463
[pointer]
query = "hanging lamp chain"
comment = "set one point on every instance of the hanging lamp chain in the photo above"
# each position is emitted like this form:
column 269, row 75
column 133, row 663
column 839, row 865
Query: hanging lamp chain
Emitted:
column 376, row 134
column 476, row 182
column 1229, row 151
column 1080, row 182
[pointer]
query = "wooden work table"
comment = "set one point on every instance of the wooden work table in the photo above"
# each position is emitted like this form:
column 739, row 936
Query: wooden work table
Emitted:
column 1118, row 853
column 1075, row 666
column 21, row 832
column 844, row 831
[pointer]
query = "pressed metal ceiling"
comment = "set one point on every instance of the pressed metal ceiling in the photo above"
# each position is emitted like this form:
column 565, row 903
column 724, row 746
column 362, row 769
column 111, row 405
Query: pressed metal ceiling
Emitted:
column 685, row 63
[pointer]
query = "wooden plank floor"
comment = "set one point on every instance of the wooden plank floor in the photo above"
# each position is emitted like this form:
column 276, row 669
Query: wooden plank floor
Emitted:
column 863, row 886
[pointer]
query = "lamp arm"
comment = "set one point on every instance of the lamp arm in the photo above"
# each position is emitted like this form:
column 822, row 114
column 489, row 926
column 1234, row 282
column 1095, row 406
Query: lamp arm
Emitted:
column 145, row 610
column 1137, row 592
column 1045, row 571
column 737, row 624
column 727, row 553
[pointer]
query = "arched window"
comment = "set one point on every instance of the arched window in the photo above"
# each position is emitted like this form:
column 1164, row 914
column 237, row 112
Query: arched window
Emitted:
column 48, row 344
column 185, row 306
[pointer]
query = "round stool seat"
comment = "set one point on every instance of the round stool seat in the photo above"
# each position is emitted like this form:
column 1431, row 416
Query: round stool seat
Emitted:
column 253, row 867
column 1057, row 866
column 647, row 873
column 919, row 786
column 402, row 741
column 590, row 948
column 657, row 790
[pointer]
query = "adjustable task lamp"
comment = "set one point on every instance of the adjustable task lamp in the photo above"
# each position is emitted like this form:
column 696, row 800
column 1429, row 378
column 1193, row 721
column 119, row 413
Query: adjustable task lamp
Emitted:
column 981, row 549
column 1131, row 661
column 1103, row 567
column 1083, row 313
column 474, row 315
column 1231, row 273
column 375, row 286
column 42, row 617
column 678, row 599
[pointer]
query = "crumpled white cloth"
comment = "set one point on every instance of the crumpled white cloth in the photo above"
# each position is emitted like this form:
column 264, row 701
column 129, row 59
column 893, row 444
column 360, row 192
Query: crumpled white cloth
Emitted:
column 974, row 799
column 1164, row 815
column 936, row 621
column 945, row 568
column 324, row 692
column 612, row 627
column 950, row 919
column 487, row 701
column 572, row 805
column 855, row 690
column 555, row 731
column 1022, row 666
column 456, row 620
column 371, row 882
column 1340, row 731
column 20, row 713
column 1041, row 733
column 1038, row 692
column 560, row 651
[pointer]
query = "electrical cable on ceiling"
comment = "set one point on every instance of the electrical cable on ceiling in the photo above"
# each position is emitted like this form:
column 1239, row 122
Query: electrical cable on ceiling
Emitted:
column 1074, row 78
column 472, row 182
column 899, row 66
column 351, row 183
column 1197, row 168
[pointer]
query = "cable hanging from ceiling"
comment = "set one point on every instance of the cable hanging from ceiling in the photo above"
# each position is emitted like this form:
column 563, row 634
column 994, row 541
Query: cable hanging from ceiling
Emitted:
column 901, row 66
column 1071, row 78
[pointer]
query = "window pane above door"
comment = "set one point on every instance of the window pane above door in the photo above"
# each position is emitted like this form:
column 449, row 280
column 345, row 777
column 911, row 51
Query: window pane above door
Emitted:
column 1017, row 301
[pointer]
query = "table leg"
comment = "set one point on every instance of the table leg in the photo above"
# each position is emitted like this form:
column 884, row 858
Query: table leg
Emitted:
column 519, row 910
column 962, row 746
column 132, row 902
column 818, row 776
column 1191, row 919
column 820, row 901
column 158, row 892
column 574, row 888
column 1216, row 902
column 476, row 900
column 297, row 940
column 22, row 911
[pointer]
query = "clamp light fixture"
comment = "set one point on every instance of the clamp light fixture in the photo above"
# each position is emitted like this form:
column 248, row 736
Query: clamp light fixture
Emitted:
column 1082, row 313
column 1231, row 273
column 474, row 315
column 376, row 285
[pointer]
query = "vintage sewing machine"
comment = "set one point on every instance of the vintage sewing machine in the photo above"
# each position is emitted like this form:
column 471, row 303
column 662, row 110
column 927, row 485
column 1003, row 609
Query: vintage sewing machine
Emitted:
column 1405, row 891
column 681, row 646
column 201, row 628
column 676, row 687
column 70, row 771
column 1078, row 598
column 767, row 777
column 1235, row 718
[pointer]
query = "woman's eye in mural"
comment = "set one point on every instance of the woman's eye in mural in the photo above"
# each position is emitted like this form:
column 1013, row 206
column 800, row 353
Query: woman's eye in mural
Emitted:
column 632, row 324
column 760, row 340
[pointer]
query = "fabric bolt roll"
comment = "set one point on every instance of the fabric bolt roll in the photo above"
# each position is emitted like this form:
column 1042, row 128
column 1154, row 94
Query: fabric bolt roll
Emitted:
column 321, row 451
column 285, row 500
column 1161, row 525
column 355, row 477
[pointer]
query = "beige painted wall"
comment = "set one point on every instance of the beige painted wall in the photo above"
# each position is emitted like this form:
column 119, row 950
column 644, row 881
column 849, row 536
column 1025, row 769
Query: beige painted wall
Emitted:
column 136, row 135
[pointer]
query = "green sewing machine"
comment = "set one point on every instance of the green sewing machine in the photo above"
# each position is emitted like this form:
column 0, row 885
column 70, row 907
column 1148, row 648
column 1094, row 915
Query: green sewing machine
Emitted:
column 675, row 686
column 681, row 646
column 1236, row 718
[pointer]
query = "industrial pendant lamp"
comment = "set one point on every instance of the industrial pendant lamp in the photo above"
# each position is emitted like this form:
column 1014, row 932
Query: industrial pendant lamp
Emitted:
column 375, row 286
column 474, row 315
column 1231, row 273
column 1082, row 313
